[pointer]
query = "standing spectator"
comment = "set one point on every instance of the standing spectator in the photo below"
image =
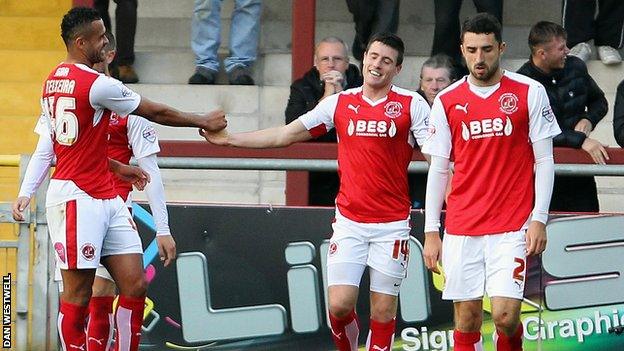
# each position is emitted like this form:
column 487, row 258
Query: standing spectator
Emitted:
column 206, row 38
column 446, row 32
column 498, row 127
column 125, row 29
column 577, row 102
column 618, row 115
column 331, row 74
column 436, row 74
column 377, row 126
column 371, row 17
column 606, row 28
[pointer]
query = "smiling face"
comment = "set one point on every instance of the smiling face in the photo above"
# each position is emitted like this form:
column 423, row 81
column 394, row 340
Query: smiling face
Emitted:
column 482, row 53
column 380, row 65
column 93, row 41
column 553, row 54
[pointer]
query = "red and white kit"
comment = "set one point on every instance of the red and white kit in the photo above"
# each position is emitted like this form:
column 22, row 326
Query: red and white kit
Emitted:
column 493, row 135
column 87, row 219
column 375, row 145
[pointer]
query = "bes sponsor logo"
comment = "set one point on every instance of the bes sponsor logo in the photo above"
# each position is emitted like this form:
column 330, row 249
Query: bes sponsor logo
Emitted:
column 487, row 128
column 380, row 129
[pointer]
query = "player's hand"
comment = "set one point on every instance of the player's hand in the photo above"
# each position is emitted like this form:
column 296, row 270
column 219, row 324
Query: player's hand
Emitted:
column 584, row 126
column 134, row 175
column 19, row 205
column 217, row 138
column 432, row 251
column 166, row 248
column 213, row 121
column 535, row 238
column 596, row 150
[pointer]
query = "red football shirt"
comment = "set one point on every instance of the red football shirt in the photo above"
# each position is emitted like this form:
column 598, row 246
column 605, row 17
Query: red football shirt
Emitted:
column 375, row 145
column 488, row 134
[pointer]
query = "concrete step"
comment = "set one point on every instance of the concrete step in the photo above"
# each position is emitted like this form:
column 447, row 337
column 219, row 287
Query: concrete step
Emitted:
column 28, row 65
column 514, row 13
column 30, row 33
column 51, row 8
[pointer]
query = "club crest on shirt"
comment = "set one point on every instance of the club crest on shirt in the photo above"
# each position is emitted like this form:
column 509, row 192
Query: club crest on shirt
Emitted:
column 508, row 103
column 88, row 251
column 149, row 134
column 60, row 251
column 114, row 119
column 393, row 109
column 333, row 247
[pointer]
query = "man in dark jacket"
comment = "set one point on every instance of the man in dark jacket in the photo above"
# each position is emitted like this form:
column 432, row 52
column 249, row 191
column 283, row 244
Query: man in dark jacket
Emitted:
column 618, row 115
column 577, row 102
column 332, row 73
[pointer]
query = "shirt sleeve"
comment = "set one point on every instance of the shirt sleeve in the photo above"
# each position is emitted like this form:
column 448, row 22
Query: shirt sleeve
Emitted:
column 437, row 180
column 38, row 166
column 156, row 194
column 109, row 93
column 542, row 121
column 438, row 142
column 43, row 126
column 320, row 119
column 544, row 178
column 419, row 111
column 142, row 137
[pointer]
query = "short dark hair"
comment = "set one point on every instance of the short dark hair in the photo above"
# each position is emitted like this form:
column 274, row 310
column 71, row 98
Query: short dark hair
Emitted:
column 76, row 21
column 112, row 43
column 482, row 23
column 543, row 32
column 391, row 40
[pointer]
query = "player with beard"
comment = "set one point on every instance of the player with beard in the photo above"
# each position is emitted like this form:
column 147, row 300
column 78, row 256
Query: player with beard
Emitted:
column 89, row 223
column 497, row 126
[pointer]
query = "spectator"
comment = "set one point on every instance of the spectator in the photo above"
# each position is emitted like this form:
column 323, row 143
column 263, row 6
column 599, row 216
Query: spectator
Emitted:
column 206, row 38
column 436, row 74
column 578, row 104
column 605, row 29
column 125, row 29
column 446, row 32
column 618, row 115
column 331, row 74
column 371, row 17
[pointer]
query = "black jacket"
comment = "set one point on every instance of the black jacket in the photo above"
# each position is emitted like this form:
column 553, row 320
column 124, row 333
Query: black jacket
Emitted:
column 573, row 95
column 306, row 92
column 618, row 115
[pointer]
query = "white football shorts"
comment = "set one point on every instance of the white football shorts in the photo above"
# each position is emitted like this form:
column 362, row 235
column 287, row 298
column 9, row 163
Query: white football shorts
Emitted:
column 474, row 265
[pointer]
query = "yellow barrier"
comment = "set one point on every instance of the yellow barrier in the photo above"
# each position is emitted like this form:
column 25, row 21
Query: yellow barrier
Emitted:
column 10, row 160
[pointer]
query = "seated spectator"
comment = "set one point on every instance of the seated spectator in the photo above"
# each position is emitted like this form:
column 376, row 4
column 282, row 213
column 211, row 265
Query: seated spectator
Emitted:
column 618, row 115
column 436, row 74
column 371, row 17
column 578, row 104
column 605, row 29
column 331, row 74
column 206, row 39
column 125, row 29
column 446, row 32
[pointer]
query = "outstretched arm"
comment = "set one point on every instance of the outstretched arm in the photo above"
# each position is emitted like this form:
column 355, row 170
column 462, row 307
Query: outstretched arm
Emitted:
column 167, row 115
column 265, row 138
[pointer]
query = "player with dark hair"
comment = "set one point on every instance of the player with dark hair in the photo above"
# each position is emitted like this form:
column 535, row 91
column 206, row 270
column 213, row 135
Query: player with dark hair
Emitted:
column 377, row 126
column 89, row 223
column 498, row 126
